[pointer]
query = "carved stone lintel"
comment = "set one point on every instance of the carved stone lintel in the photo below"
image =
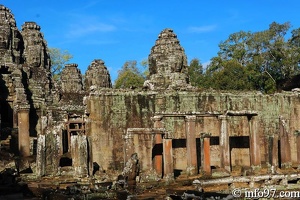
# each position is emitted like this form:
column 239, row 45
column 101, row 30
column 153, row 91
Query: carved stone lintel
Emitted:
column 157, row 118
column 205, row 135
column 23, row 108
column 190, row 118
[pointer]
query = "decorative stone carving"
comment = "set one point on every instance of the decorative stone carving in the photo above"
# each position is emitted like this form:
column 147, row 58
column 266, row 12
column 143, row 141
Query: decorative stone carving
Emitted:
column 71, row 79
column 10, row 38
column 36, row 63
column 168, row 62
column 97, row 75
column 35, row 51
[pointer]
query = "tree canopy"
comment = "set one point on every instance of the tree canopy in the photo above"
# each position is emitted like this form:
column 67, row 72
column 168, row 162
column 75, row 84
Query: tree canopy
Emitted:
column 195, row 72
column 129, row 76
column 252, row 61
column 58, row 59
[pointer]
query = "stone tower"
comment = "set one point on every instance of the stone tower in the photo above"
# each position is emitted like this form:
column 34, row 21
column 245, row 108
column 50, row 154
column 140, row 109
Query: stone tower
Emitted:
column 10, row 38
column 97, row 75
column 12, row 92
column 168, row 62
column 35, row 52
column 71, row 79
column 36, row 63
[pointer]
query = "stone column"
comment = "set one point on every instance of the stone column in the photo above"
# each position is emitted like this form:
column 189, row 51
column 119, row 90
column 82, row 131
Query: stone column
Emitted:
column 158, row 159
column 129, row 146
column 23, row 135
column 224, row 144
column 168, row 159
column 15, row 117
column 285, row 148
column 298, row 147
column 79, row 155
column 90, row 154
column 40, row 155
column 205, row 153
column 273, row 152
column 255, row 160
column 190, row 129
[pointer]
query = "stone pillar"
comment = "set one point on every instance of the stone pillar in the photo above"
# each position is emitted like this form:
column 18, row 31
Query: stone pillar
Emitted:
column 15, row 117
column 255, row 160
column 298, row 147
column 129, row 146
column 79, row 155
column 90, row 154
column 273, row 152
column 190, row 129
column 158, row 158
column 224, row 144
column 205, row 153
column 23, row 135
column 40, row 155
column 168, row 159
column 285, row 147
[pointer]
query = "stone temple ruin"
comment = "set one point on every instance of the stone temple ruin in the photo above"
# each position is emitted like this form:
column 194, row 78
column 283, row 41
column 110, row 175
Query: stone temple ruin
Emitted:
column 70, row 134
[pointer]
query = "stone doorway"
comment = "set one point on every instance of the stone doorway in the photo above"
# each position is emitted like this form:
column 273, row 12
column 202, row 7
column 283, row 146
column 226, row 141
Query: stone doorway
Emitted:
column 239, row 151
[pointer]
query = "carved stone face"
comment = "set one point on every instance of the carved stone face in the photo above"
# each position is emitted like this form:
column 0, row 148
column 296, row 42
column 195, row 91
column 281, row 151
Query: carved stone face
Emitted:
column 34, row 56
column 34, row 39
column 4, row 37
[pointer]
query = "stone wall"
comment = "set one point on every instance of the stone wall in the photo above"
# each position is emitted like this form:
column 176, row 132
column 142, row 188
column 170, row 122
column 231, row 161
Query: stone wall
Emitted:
column 111, row 113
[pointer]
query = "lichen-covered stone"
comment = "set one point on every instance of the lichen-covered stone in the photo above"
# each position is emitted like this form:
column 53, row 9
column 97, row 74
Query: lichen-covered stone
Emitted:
column 10, row 38
column 168, row 62
column 36, row 63
column 35, row 47
column 71, row 79
column 97, row 76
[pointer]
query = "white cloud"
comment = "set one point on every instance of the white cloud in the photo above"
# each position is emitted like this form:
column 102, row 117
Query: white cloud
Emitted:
column 83, row 29
column 202, row 29
column 84, row 24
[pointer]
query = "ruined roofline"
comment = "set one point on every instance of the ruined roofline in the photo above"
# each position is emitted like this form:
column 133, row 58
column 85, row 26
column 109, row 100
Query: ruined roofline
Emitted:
column 3, row 7
column 188, row 92
column 241, row 113
column 208, row 113
column 31, row 25
column 184, row 114
column 71, row 65
column 146, row 130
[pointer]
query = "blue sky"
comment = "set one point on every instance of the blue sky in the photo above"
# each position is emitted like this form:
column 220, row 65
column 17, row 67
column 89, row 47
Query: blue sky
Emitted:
column 118, row 31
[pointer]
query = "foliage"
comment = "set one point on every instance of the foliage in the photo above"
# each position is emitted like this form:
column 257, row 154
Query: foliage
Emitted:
column 195, row 72
column 129, row 76
column 144, row 63
column 232, row 77
column 261, row 59
column 58, row 59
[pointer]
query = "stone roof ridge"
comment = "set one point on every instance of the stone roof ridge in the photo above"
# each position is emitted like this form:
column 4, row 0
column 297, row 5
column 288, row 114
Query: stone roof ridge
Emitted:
column 8, row 18
column 31, row 25
column 71, row 65
column 3, row 7
column 96, row 63
column 167, row 33
column 100, row 61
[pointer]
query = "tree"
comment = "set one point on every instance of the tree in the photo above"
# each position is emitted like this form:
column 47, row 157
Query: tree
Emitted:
column 145, row 64
column 265, row 56
column 233, row 76
column 129, row 76
column 58, row 59
column 195, row 71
